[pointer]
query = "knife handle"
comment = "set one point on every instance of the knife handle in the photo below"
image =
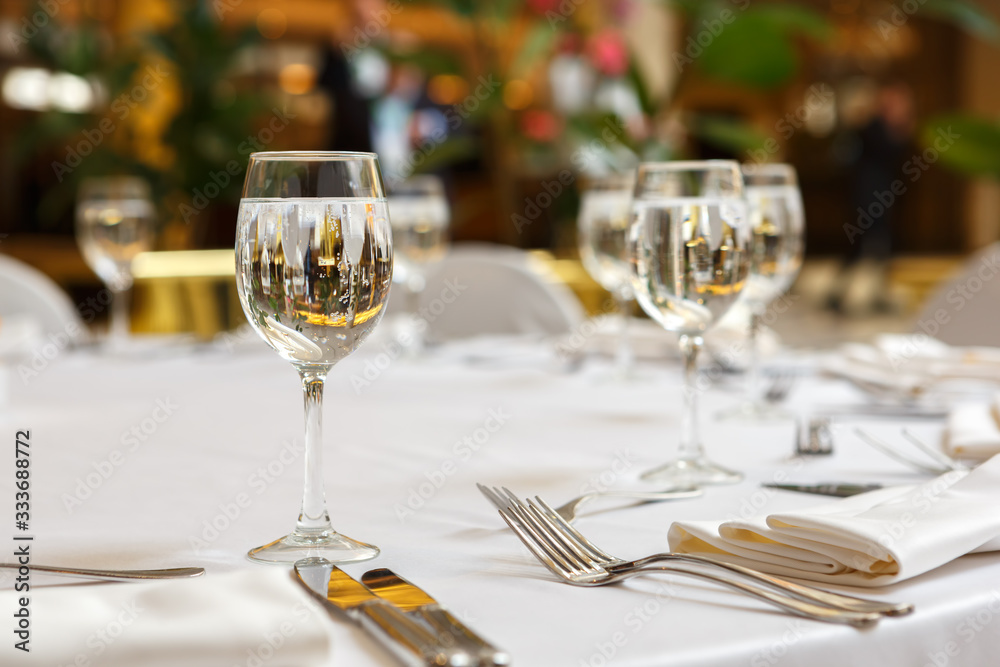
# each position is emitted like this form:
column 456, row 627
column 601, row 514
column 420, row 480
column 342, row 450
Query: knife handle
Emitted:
column 412, row 644
column 451, row 630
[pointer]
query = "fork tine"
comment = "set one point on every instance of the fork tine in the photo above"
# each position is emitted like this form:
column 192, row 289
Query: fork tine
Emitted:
column 515, row 512
column 554, row 542
column 893, row 453
column 493, row 496
column 533, row 547
column 567, row 542
column 574, row 534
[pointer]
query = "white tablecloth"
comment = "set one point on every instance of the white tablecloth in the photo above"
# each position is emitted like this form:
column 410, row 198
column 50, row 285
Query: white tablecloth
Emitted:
column 209, row 464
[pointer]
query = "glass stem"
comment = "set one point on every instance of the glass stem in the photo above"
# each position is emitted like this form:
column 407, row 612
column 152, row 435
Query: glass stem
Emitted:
column 419, row 325
column 690, row 445
column 313, row 518
column 623, row 357
column 119, row 327
column 753, row 362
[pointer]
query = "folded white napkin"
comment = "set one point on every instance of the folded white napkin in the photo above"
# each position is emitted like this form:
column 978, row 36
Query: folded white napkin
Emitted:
column 912, row 362
column 873, row 539
column 974, row 431
column 257, row 616
column 602, row 335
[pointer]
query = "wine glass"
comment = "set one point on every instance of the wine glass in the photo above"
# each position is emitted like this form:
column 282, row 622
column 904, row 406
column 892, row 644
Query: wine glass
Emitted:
column 115, row 221
column 420, row 217
column 313, row 272
column 602, row 227
column 777, row 219
column 690, row 248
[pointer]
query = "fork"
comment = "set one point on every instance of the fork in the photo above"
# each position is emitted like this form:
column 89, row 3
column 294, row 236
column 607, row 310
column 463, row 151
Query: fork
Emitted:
column 780, row 386
column 569, row 509
column 944, row 462
column 576, row 560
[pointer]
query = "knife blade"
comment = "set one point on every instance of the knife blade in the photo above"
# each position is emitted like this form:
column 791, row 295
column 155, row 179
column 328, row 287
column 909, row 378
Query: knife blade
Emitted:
column 410, row 642
column 827, row 489
column 414, row 600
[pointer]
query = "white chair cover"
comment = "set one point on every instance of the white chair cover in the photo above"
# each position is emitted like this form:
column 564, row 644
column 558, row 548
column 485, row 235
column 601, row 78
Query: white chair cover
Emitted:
column 966, row 309
column 27, row 292
column 482, row 289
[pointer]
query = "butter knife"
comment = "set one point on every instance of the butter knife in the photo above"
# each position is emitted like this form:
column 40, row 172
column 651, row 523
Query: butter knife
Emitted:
column 828, row 489
column 410, row 642
column 414, row 600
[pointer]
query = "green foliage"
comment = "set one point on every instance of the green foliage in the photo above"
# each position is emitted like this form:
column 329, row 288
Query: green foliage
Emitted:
column 976, row 152
column 965, row 14
column 754, row 47
column 728, row 134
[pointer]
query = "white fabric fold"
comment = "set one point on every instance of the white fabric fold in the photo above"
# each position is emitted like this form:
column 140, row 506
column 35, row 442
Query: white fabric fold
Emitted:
column 257, row 616
column 873, row 539
column 973, row 431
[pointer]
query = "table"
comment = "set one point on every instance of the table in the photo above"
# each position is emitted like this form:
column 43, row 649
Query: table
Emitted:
column 209, row 464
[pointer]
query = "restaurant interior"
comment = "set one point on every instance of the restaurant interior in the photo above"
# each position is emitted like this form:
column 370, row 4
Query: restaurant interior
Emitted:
column 617, row 233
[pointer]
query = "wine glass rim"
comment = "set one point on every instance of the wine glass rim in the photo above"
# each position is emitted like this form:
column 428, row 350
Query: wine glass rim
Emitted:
column 333, row 156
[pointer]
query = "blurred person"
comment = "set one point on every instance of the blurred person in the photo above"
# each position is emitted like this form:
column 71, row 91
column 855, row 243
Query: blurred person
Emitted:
column 352, row 117
column 881, row 149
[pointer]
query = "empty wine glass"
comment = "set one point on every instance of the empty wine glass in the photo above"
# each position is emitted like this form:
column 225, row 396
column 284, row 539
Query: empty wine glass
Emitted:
column 115, row 221
column 602, row 227
column 419, row 212
column 690, row 248
column 313, row 271
column 777, row 220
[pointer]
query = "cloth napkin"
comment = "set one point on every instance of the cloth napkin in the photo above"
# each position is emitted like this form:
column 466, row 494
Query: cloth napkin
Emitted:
column 974, row 430
column 872, row 539
column 258, row 616
column 909, row 363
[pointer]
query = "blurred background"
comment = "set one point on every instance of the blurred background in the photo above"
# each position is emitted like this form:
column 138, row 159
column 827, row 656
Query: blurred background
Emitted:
column 890, row 111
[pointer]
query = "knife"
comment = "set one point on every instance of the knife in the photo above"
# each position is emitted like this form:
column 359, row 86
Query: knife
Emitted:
column 827, row 489
column 414, row 600
column 410, row 642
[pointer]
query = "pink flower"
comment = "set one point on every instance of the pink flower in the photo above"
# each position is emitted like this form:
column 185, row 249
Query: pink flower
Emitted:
column 543, row 6
column 608, row 52
column 541, row 126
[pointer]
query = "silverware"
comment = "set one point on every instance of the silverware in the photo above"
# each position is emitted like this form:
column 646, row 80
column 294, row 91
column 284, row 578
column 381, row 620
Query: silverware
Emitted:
column 942, row 462
column 111, row 575
column 838, row 490
column 568, row 510
column 575, row 560
column 409, row 641
column 450, row 630
column 780, row 386
column 814, row 437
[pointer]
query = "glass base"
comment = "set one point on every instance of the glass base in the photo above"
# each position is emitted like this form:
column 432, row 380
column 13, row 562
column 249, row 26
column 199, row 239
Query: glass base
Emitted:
column 692, row 472
column 763, row 412
column 330, row 545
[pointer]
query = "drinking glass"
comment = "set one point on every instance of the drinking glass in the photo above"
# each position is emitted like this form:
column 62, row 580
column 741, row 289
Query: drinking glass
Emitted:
column 602, row 227
column 777, row 219
column 115, row 221
column 690, row 247
column 420, row 216
column 313, row 272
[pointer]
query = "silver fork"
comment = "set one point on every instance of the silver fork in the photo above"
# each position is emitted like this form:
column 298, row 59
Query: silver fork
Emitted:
column 573, row 558
column 944, row 463
column 569, row 509
column 780, row 386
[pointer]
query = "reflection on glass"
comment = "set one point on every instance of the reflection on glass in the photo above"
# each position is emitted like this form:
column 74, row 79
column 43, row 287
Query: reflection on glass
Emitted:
column 690, row 246
column 313, row 271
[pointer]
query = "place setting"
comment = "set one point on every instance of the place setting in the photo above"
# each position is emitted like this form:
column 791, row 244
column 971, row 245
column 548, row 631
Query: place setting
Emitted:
column 366, row 334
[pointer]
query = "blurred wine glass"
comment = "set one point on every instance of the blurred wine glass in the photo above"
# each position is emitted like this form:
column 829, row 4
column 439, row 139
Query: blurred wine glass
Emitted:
column 313, row 272
column 689, row 242
column 602, row 227
column 420, row 217
column 115, row 221
column 777, row 219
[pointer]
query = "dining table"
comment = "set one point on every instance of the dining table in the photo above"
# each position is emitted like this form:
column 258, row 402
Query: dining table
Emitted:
column 180, row 453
